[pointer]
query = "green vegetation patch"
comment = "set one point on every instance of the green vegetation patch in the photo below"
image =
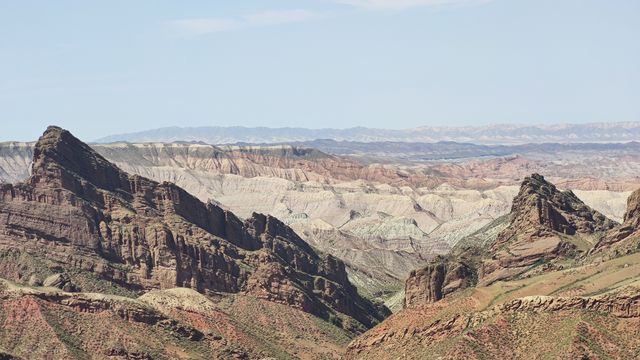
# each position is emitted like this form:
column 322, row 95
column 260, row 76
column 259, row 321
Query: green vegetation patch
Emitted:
column 72, row 343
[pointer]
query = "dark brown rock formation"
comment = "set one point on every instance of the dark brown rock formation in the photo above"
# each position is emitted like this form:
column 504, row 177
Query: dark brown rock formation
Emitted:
column 541, row 209
column 546, row 224
column 436, row 280
column 626, row 237
column 84, row 213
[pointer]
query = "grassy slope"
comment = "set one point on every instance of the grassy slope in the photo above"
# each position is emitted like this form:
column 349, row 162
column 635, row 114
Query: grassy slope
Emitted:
column 520, row 335
column 232, row 325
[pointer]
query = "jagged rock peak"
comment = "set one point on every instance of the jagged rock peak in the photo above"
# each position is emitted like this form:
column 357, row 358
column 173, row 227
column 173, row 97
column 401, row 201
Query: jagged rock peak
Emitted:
column 543, row 219
column 145, row 235
column 547, row 225
column 60, row 159
column 537, row 185
column 540, row 207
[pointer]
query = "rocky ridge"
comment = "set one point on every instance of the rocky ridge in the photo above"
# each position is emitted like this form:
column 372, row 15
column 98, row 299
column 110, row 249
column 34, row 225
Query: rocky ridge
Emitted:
column 382, row 227
column 546, row 226
column 624, row 239
column 488, row 329
column 582, row 288
column 82, row 212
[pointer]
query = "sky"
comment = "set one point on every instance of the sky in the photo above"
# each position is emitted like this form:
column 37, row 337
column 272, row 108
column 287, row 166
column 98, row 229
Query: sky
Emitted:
column 105, row 67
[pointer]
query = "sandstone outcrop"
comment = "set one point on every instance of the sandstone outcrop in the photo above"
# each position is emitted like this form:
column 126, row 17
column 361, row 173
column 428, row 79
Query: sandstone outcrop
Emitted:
column 536, row 302
column 381, row 228
column 490, row 333
column 541, row 209
column 84, row 213
column 624, row 303
column 625, row 238
column 60, row 281
column 434, row 281
column 546, row 224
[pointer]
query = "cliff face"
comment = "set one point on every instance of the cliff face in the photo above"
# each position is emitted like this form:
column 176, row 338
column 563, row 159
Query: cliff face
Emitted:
column 632, row 215
column 83, row 212
column 434, row 281
column 546, row 225
column 625, row 238
column 541, row 209
column 381, row 231
column 548, row 229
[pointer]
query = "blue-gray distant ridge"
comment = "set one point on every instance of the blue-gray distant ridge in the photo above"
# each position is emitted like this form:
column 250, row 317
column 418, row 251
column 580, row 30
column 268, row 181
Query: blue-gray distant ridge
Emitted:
column 489, row 135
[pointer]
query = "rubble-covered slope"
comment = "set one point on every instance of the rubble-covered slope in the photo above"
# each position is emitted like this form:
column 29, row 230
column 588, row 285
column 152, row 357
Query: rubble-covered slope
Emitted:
column 179, row 323
column 591, row 311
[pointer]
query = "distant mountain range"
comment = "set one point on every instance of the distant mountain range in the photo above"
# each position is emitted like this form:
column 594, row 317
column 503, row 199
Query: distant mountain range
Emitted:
column 449, row 150
column 493, row 134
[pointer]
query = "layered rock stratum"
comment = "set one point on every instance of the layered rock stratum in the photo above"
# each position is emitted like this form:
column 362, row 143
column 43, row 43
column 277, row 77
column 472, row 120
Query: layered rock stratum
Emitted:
column 546, row 226
column 91, row 252
column 383, row 219
column 104, row 230
column 624, row 239
column 579, row 300
column 178, row 323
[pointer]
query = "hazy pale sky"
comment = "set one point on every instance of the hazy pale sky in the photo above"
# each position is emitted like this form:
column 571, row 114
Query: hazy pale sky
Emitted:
column 106, row 67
